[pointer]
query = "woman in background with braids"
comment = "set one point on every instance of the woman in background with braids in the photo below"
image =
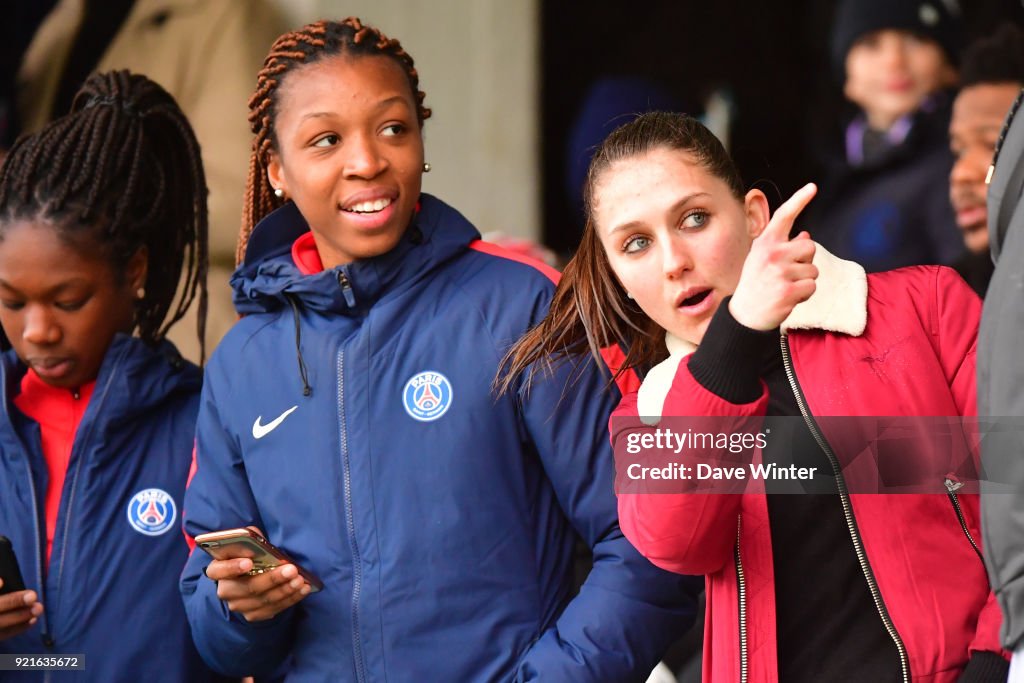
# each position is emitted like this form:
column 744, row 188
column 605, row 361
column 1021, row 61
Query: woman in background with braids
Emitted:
column 100, row 213
column 349, row 415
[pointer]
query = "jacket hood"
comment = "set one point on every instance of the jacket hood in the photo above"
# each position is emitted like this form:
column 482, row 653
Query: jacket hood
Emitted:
column 269, row 278
column 133, row 379
column 1007, row 180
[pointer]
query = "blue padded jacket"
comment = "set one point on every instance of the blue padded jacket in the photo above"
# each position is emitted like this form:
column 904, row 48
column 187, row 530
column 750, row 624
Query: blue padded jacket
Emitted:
column 440, row 518
column 111, row 589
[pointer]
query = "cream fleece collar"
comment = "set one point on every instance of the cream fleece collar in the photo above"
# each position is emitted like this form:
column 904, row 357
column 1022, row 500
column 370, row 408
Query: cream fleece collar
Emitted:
column 839, row 304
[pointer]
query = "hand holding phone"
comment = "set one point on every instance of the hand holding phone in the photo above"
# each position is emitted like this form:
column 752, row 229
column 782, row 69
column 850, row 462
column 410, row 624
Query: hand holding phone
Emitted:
column 254, row 578
column 19, row 608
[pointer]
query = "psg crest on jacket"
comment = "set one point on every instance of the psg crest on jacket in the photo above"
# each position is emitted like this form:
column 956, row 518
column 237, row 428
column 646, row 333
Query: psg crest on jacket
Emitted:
column 427, row 396
column 151, row 512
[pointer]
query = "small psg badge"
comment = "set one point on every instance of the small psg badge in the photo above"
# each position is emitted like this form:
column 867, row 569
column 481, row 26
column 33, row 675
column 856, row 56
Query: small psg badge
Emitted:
column 427, row 396
column 151, row 512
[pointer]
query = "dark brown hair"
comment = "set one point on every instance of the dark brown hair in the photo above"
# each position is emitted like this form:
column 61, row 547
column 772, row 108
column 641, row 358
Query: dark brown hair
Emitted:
column 996, row 58
column 124, row 169
column 590, row 310
column 310, row 44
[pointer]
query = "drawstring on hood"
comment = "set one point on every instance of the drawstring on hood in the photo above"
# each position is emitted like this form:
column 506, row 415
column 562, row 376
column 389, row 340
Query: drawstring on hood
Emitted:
column 306, row 389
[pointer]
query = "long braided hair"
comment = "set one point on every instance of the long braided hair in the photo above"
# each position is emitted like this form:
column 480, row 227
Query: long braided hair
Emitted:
column 310, row 44
column 124, row 169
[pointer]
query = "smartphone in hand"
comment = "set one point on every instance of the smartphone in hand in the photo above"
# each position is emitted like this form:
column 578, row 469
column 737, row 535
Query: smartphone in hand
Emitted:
column 9, row 570
column 236, row 543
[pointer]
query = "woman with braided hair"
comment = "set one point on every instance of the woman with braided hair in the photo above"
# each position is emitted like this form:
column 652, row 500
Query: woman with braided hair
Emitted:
column 102, row 215
column 349, row 415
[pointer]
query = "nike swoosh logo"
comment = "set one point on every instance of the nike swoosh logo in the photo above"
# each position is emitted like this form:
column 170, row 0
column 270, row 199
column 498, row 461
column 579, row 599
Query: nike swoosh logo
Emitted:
column 259, row 431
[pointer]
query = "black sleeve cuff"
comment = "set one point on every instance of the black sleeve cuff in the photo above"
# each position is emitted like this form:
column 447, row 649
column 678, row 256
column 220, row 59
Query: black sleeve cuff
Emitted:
column 729, row 359
column 985, row 667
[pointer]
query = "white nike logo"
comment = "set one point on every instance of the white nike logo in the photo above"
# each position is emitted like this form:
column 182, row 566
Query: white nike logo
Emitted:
column 259, row 431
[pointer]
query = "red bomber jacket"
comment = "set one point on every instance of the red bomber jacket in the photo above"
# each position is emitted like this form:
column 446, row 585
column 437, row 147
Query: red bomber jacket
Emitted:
column 894, row 343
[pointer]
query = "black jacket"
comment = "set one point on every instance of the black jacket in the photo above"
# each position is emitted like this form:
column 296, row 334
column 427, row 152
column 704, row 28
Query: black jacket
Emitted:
column 892, row 210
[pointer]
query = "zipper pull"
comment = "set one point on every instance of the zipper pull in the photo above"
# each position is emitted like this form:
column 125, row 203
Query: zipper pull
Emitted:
column 346, row 288
column 953, row 483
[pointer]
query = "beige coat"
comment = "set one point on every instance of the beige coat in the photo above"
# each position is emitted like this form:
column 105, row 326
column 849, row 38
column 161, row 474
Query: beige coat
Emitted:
column 206, row 53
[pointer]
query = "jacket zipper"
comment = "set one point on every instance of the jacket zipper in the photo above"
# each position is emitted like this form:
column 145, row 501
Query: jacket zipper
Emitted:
column 851, row 523
column 68, row 507
column 357, row 572
column 742, row 597
column 951, row 486
column 346, row 288
column 78, row 446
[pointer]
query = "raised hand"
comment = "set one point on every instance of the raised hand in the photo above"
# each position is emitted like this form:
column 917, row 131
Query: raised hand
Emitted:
column 778, row 273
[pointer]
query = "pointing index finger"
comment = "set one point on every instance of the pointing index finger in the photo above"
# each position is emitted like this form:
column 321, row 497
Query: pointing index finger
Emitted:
column 782, row 221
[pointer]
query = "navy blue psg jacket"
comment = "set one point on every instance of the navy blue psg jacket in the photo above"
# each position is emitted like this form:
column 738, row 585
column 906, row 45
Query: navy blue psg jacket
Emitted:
column 440, row 518
column 111, row 589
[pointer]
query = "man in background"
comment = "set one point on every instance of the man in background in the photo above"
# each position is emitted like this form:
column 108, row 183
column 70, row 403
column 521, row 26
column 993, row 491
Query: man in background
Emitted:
column 992, row 75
